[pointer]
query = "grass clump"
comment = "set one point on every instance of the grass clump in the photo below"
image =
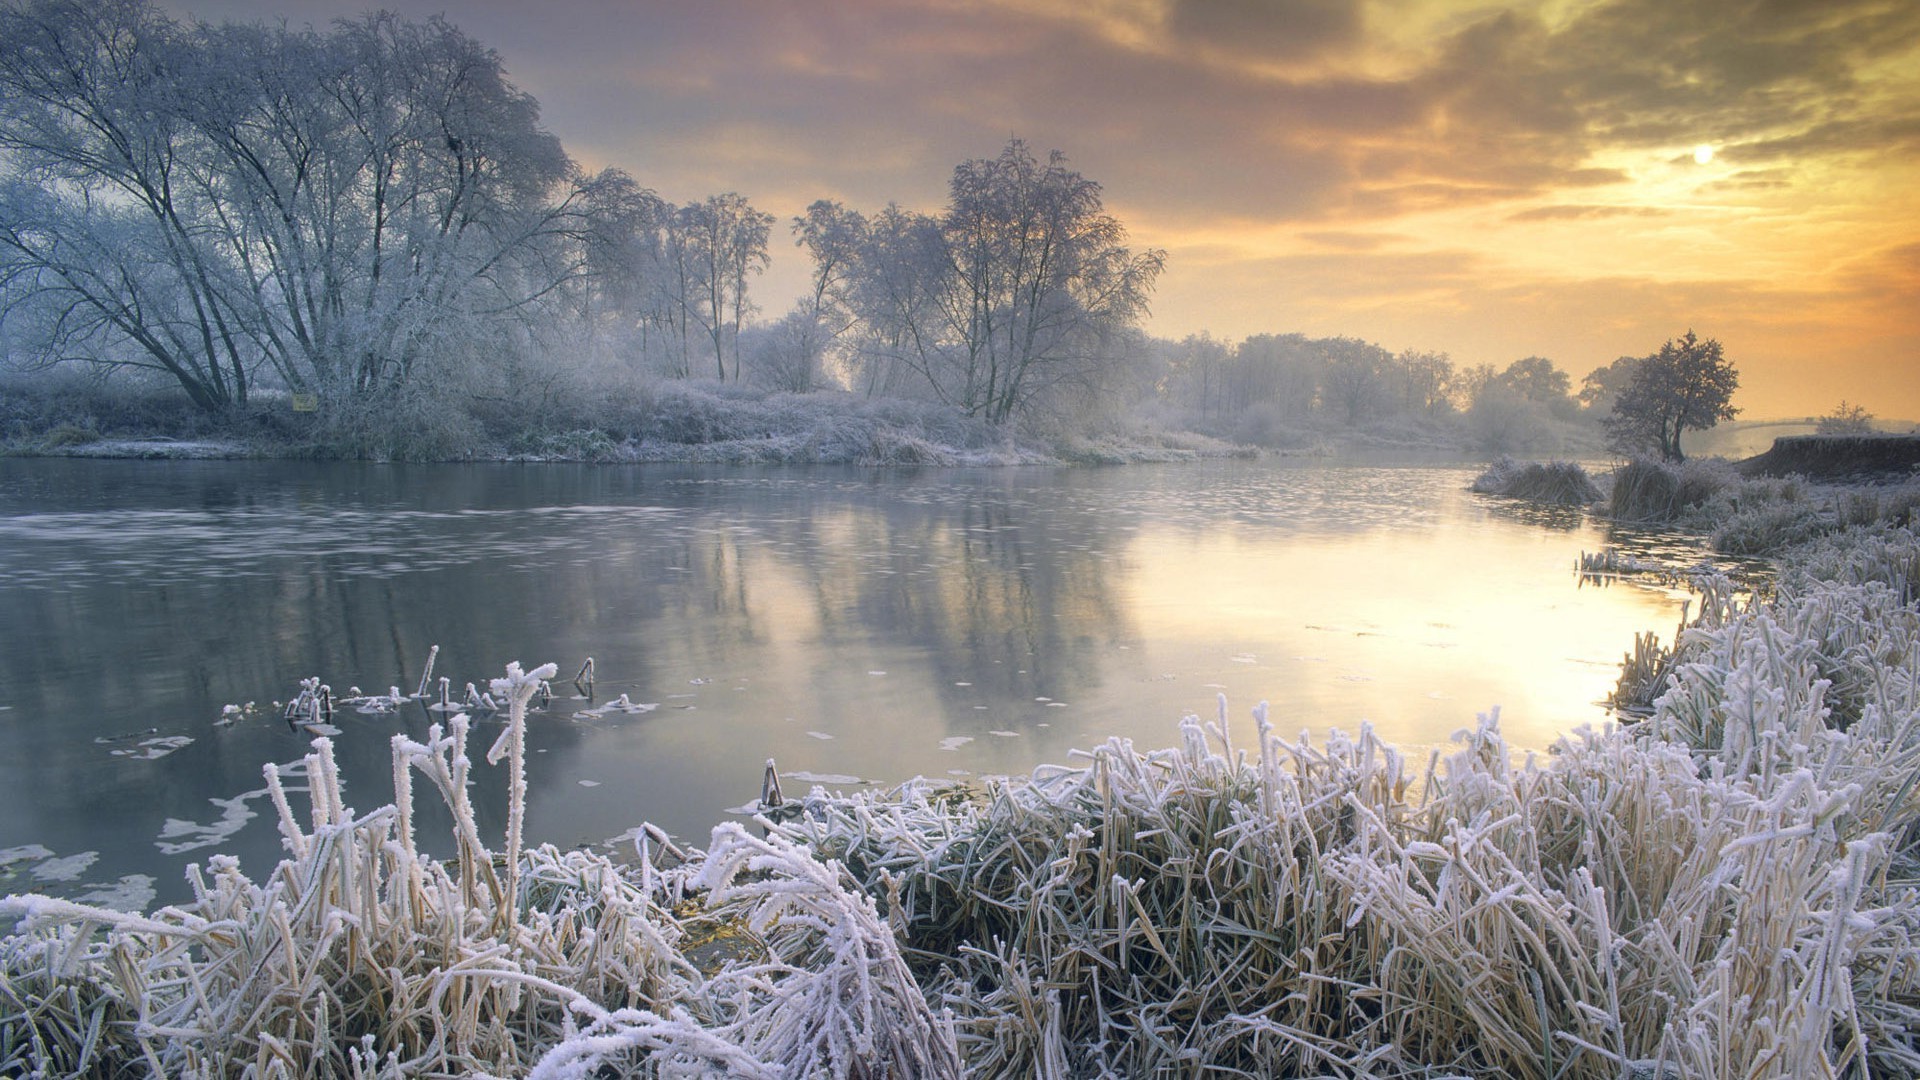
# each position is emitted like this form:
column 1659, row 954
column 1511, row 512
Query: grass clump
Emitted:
column 361, row 956
column 1645, row 491
column 1555, row 483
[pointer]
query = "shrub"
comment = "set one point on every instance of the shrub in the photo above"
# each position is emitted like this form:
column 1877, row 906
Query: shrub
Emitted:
column 1556, row 483
column 1646, row 491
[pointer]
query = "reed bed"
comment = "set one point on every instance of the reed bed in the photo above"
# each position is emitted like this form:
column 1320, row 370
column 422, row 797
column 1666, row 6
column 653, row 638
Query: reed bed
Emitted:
column 1729, row 887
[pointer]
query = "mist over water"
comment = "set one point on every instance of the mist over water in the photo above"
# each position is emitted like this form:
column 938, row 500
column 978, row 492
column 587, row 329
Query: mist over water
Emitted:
column 856, row 625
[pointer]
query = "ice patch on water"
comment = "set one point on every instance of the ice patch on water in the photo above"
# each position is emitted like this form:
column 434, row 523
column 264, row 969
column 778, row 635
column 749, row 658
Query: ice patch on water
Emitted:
column 65, row 867
column 820, row 735
column 1244, row 658
column 154, row 748
column 178, row 837
column 588, row 783
column 133, row 893
column 23, row 853
column 822, row 778
column 1005, row 734
column 955, row 742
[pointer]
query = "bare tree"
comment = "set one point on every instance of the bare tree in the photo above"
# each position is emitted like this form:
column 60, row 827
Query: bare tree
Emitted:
column 714, row 246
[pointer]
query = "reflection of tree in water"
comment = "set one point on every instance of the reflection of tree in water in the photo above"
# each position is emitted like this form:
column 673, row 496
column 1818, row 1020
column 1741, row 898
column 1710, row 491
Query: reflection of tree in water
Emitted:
column 978, row 584
column 276, row 571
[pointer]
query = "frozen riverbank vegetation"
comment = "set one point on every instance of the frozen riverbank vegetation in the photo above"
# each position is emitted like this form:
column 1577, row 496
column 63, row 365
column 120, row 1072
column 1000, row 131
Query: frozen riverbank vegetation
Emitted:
column 1728, row 887
column 666, row 421
column 1744, row 515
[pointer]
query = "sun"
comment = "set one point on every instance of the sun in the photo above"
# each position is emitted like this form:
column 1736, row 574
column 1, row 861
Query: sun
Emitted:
column 1702, row 154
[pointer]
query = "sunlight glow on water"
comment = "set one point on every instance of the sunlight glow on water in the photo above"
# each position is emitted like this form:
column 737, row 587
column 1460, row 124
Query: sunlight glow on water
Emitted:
column 855, row 625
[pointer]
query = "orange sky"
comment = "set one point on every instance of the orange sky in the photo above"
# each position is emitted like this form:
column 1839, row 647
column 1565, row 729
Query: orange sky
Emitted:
column 1577, row 180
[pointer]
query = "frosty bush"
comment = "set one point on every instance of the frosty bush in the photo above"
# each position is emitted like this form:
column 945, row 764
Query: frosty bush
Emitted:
column 1556, row 483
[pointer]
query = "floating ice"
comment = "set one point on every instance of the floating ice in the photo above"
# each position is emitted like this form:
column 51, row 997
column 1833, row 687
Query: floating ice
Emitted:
column 820, row 735
column 150, row 749
column 1005, row 734
column 65, row 867
column 132, row 893
column 955, row 742
column 823, row 778
column 178, row 837
column 9, row 856
column 588, row 783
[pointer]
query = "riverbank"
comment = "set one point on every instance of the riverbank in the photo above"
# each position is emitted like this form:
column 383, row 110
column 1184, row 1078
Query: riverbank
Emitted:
column 693, row 422
column 1725, row 887
column 670, row 422
column 1747, row 508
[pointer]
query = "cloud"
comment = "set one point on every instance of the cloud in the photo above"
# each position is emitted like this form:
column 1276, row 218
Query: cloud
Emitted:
column 1267, row 29
column 1575, row 212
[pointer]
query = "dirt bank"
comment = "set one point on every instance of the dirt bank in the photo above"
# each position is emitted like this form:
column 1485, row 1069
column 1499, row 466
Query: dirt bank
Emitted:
column 1838, row 457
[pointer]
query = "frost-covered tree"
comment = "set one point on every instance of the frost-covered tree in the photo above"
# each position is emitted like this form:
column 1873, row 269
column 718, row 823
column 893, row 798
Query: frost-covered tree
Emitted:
column 1537, row 380
column 720, row 242
column 1845, row 419
column 1023, row 286
column 332, row 211
column 832, row 235
column 1603, row 386
column 1357, row 383
column 1687, row 386
column 1426, row 380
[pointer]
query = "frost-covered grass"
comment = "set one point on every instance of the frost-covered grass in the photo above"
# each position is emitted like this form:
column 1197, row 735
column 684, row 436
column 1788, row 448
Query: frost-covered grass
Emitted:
column 1728, row 887
column 1556, row 483
column 358, row 956
column 631, row 420
column 1752, row 515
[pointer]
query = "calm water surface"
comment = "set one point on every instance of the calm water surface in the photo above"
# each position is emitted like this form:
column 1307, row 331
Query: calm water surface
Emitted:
column 855, row 625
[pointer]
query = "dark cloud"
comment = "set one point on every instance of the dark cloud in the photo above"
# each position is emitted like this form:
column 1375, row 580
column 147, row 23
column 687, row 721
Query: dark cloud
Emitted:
column 1267, row 29
column 1655, row 72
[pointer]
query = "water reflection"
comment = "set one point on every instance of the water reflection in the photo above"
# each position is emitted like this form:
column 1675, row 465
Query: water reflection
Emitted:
column 849, row 623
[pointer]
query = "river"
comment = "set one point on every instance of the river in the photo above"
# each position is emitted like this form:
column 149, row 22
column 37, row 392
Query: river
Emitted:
column 858, row 626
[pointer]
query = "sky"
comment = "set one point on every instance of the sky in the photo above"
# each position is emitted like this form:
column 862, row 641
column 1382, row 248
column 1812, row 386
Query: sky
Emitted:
column 1574, row 179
